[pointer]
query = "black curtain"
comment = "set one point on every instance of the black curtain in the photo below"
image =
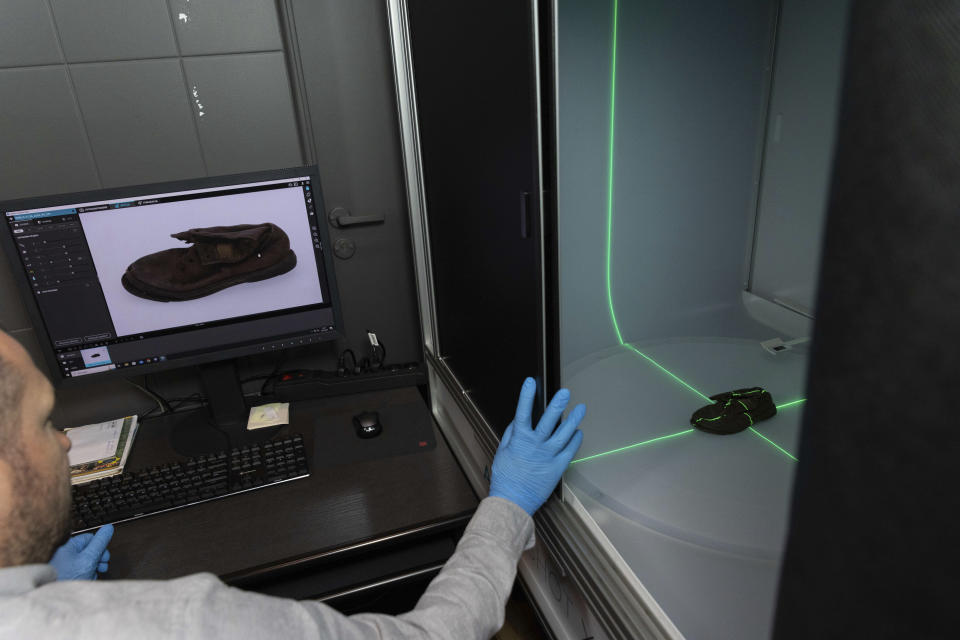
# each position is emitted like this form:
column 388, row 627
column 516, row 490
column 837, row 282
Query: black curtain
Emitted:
column 872, row 545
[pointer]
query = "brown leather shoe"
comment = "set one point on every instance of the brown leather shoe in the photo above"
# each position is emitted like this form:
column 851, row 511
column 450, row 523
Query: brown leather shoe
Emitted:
column 219, row 258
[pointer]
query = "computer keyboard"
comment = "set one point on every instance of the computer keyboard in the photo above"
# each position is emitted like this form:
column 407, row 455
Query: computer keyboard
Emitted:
column 135, row 494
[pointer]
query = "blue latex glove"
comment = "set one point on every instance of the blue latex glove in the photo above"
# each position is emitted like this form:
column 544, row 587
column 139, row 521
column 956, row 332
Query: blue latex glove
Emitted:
column 83, row 556
column 530, row 462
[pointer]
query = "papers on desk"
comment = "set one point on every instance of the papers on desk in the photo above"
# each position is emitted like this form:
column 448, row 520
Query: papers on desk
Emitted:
column 268, row 415
column 100, row 450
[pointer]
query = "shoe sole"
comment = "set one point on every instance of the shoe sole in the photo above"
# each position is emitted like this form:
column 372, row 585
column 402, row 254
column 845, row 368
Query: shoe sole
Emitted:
column 278, row 269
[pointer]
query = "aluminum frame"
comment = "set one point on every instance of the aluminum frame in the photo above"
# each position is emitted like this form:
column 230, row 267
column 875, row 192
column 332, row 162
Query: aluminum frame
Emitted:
column 607, row 586
column 413, row 168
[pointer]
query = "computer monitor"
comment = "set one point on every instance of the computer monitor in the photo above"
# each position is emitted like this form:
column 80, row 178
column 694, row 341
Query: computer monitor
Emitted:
column 135, row 280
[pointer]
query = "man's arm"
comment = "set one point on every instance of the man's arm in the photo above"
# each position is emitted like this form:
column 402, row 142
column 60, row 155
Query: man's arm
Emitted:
column 467, row 599
column 464, row 602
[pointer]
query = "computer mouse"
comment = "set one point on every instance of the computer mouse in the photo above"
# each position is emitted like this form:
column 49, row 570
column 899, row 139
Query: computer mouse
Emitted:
column 367, row 424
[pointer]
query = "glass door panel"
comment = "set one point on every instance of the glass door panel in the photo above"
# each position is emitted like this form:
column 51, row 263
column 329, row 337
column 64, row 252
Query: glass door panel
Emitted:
column 674, row 120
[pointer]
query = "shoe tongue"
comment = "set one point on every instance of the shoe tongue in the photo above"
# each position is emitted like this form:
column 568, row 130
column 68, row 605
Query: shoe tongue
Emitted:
column 218, row 245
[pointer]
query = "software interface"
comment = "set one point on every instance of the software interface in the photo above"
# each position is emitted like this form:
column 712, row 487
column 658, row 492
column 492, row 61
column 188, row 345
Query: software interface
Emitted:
column 161, row 276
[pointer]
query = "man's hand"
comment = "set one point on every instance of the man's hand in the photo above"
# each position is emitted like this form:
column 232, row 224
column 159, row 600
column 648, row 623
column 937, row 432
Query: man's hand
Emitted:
column 83, row 556
column 530, row 462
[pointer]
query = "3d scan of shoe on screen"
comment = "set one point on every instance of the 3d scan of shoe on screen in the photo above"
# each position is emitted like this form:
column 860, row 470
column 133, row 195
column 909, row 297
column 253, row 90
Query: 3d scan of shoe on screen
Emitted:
column 220, row 257
column 734, row 411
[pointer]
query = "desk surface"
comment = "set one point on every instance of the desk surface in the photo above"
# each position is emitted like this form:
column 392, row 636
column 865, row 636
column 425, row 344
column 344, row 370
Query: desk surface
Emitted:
column 299, row 522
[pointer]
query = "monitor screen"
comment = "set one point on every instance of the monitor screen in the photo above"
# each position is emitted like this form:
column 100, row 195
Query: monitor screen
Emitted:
column 138, row 279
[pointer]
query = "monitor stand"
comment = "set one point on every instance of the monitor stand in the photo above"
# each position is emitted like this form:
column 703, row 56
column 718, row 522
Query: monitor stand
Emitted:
column 223, row 424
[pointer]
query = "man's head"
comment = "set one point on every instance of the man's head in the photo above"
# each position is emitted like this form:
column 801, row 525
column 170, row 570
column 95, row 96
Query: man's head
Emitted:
column 34, row 474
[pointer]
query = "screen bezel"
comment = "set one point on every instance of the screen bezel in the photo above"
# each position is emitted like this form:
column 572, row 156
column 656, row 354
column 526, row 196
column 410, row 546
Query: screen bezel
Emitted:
column 39, row 325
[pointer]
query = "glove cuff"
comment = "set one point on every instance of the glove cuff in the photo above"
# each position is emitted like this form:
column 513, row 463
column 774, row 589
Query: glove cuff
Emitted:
column 523, row 499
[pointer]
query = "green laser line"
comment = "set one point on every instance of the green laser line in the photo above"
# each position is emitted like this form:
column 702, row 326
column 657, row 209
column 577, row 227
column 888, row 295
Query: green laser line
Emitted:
column 778, row 447
column 665, row 370
column 790, row 404
column 613, row 102
column 634, row 446
column 609, row 269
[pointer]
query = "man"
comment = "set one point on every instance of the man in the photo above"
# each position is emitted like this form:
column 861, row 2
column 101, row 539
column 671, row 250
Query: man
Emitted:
column 466, row 600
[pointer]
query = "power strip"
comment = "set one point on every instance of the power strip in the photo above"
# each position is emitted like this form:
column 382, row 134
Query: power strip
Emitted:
column 302, row 385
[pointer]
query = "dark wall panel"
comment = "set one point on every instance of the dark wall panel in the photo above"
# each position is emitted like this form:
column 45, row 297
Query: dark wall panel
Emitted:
column 348, row 77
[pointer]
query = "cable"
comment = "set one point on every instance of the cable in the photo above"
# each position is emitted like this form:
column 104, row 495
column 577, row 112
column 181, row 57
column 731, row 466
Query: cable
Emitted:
column 182, row 401
column 273, row 374
column 347, row 364
column 147, row 385
column 175, row 404
column 342, row 366
column 162, row 404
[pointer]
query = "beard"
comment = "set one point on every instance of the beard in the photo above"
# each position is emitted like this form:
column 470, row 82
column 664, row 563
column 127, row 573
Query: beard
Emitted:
column 40, row 519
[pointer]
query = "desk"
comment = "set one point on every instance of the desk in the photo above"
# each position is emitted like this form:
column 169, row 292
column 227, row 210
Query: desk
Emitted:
column 343, row 527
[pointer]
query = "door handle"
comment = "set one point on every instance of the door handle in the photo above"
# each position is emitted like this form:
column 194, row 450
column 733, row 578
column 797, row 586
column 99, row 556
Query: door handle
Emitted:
column 340, row 217
column 525, row 215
